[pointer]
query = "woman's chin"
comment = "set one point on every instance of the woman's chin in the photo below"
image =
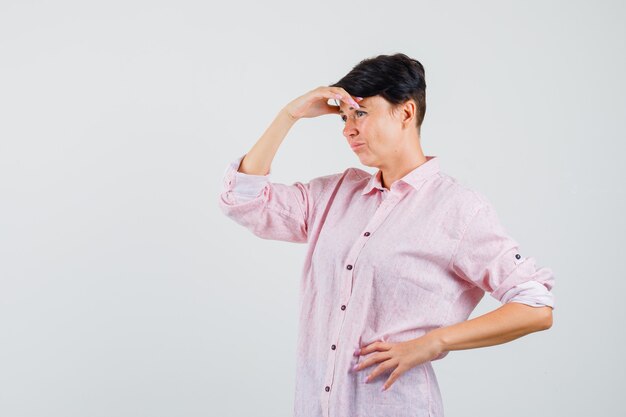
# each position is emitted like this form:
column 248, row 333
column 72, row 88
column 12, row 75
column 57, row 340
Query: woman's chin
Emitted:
column 366, row 162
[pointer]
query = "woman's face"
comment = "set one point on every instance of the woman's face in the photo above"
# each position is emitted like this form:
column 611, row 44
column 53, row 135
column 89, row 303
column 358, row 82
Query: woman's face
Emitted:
column 372, row 131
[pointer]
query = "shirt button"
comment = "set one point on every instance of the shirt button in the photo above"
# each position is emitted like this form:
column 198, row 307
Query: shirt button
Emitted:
column 517, row 256
column 333, row 347
column 366, row 234
column 327, row 389
column 343, row 307
column 349, row 267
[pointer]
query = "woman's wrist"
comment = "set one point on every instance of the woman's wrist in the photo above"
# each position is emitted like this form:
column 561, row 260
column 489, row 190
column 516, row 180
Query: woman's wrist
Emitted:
column 291, row 117
column 436, row 342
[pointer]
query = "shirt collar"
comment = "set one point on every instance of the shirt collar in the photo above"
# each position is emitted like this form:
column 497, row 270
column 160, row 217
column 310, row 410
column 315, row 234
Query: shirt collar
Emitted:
column 413, row 178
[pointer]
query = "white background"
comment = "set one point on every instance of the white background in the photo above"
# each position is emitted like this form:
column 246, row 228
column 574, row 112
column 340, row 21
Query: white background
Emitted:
column 124, row 291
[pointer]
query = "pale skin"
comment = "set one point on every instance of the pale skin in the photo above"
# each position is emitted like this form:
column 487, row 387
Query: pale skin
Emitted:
column 391, row 142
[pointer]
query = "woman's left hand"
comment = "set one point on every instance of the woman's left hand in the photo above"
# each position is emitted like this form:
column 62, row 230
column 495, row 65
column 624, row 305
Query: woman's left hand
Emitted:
column 399, row 357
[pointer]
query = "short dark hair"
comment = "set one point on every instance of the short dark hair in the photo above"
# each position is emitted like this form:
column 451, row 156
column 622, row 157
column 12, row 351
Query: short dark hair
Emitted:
column 397, row 78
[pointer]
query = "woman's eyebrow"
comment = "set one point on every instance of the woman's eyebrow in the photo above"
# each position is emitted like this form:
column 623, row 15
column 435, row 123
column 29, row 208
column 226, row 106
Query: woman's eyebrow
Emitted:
column 360, row 107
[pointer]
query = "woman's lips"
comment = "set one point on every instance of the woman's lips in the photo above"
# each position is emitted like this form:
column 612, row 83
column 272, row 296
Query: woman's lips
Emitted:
column 356, row 145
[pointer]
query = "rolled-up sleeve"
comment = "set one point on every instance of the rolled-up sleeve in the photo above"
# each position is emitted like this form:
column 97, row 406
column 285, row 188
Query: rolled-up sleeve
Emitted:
column 271, row 210
column 531, row 293
column 247, row 186
column 491, row 259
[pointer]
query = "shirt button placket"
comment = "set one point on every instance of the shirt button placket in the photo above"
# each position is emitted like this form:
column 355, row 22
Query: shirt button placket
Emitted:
column 334, row 346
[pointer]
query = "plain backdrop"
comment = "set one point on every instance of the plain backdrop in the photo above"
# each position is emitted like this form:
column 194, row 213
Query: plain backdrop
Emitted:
column 124, row 291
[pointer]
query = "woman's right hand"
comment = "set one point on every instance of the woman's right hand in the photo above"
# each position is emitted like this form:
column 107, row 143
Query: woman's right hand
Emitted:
column 315, row 102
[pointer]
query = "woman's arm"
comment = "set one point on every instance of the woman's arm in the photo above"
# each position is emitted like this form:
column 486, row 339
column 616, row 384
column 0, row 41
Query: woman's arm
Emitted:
column 508, row 322
column 312, row 104
column 273, row 210
column 259, row 159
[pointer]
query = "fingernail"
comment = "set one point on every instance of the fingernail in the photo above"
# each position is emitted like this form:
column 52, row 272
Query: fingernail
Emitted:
column 337, row 95
column 366, row 378
column 359, row 98
column 355, row 367
column 357, row 352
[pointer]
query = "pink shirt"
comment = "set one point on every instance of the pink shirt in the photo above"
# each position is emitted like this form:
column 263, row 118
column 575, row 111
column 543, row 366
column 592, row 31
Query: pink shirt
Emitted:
column 386, row 265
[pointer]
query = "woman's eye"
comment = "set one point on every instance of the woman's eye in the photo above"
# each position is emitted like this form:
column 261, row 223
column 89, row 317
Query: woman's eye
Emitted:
column 359, row 112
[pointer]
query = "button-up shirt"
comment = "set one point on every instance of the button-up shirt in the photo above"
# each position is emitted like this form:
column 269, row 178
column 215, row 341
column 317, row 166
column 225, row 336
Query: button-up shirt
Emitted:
column 382, row 265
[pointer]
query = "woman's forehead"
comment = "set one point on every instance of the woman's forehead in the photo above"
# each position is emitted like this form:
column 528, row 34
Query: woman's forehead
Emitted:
column 367, row 102
column 373, row 101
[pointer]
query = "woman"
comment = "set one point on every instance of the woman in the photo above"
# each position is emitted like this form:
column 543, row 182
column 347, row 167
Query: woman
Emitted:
column 396, row 261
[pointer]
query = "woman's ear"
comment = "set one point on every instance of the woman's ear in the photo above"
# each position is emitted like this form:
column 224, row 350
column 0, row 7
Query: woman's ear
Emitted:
column 409, row 109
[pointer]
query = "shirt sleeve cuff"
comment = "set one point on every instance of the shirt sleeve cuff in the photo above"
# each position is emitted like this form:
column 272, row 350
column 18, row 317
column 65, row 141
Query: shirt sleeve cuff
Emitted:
column 531, row 293
column 249, row 186
column 245, row 187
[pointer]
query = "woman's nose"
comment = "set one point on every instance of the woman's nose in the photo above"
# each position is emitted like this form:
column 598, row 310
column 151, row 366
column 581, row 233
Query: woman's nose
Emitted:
column 350, row 128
